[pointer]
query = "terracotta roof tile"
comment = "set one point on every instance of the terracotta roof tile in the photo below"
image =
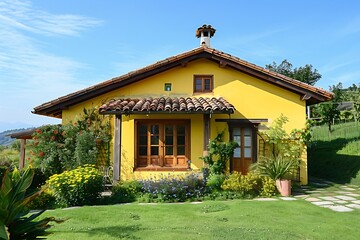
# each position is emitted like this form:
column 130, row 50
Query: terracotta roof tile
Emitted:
column 54, row 107
column 171, row 105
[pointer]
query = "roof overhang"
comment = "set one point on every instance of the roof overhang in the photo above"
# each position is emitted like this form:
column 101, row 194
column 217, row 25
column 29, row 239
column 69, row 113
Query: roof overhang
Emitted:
column 168, row 105
column 26, row 134
column 308, row 93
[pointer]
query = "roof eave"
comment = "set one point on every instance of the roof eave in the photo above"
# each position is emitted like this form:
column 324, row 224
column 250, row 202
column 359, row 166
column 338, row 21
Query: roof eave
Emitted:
column 163, row 112
column 313, row 95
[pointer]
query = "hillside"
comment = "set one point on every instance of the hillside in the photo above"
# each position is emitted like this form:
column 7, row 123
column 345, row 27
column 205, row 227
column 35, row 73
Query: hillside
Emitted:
column 6, row 140
column 336, row 156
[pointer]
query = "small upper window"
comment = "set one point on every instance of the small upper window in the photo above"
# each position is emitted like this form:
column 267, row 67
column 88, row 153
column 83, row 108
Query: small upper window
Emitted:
column 203, row 83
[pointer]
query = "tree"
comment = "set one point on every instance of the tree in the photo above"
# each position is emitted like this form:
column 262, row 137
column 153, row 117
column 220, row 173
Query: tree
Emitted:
column 355, row 98
column 304, row 74
column 328, row 111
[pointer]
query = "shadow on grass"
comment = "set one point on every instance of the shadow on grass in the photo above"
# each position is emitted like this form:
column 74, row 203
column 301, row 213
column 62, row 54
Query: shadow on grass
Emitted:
column 324, row 161
column 117, row 232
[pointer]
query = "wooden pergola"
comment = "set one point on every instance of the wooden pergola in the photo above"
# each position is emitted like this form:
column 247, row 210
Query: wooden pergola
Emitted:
column 23, row 136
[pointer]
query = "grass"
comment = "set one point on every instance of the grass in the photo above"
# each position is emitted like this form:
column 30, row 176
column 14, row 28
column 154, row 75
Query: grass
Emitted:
column 336, row 155
column 236, row 219
column 10, row 155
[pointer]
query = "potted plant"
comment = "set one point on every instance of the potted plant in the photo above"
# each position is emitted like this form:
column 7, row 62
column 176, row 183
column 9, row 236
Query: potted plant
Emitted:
column 279, row 169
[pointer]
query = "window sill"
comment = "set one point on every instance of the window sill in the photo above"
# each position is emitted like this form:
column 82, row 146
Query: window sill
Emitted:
column 161, row 169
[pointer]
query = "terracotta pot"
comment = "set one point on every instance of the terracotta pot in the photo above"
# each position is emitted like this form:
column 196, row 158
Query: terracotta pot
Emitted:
column 284, row 187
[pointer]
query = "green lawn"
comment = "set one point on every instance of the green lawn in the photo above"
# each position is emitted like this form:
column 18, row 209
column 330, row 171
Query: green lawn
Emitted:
column 237, row 219
column 335, row 156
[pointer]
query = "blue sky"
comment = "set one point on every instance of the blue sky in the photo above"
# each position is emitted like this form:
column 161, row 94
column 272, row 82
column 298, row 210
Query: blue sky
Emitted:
column 52, row 48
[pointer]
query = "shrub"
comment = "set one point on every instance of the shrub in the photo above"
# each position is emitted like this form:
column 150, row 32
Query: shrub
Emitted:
column 249, row 185
column 215, row 181
column 268, row 188
column 174, row 188
column 65, row 147
column 86, row 151
column 81, row 186
column 219, row 154
column 125, row 192
column 46, row 200
column 38, row 180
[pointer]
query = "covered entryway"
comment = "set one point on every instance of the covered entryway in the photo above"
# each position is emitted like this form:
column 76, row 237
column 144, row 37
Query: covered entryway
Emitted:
column 162, row 144
column 245, row 133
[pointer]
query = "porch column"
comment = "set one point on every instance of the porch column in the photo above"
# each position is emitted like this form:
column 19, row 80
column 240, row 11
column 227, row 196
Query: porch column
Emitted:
column 117, row 149
column 206, row 132
column 22, row 153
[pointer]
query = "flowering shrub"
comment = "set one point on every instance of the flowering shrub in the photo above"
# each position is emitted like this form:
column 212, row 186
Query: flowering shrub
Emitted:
column 249, row 185
column 48, row 146
column 80, row 186
column 64, row 147
column 173, row 188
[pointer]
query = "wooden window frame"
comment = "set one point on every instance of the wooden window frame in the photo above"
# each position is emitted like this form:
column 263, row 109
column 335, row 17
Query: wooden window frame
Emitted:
column 203, row 77
column 162, row 157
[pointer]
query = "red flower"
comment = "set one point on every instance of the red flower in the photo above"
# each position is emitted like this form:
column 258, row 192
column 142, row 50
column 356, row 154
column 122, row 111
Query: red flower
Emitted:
column 56, row 132
column 53, row 138
column 38, row 131
column 36, row 143
column 41, row 154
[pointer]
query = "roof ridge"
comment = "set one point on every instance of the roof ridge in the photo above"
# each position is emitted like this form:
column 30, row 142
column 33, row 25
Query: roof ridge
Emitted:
column 53, row 108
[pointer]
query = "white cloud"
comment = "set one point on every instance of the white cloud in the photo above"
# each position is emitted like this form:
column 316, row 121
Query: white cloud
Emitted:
column 29, row 75
column 22, row 15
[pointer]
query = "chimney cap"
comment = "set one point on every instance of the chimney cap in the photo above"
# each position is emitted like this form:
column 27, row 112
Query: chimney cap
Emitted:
column 203, row 28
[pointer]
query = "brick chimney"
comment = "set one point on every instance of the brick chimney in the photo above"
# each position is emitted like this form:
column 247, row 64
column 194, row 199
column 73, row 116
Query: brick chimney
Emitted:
column 205, row 32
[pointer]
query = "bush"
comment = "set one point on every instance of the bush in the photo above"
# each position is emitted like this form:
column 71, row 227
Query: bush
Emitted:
column 219, row 154
column 215, row 181
column 268, row 188
column 38, row 180
column 250, row 185
column 173, row 188
column 86, row 151
column 81, row 186
column 46, row 200
column 65, row 147
column 125, row 192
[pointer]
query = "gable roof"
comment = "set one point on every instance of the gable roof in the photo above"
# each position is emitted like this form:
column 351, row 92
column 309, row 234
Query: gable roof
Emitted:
column 307, row 92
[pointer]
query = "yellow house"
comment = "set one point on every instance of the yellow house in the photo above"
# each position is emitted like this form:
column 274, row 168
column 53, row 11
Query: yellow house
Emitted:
column 165, row 114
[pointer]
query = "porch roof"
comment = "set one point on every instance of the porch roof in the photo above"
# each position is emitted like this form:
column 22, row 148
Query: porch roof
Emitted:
column 167, row 105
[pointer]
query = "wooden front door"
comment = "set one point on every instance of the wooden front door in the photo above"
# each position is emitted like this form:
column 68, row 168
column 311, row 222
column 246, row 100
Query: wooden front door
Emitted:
column 243, row 154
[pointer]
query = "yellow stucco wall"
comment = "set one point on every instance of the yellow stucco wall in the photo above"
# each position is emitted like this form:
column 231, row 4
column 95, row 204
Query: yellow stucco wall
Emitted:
column 252, row 98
